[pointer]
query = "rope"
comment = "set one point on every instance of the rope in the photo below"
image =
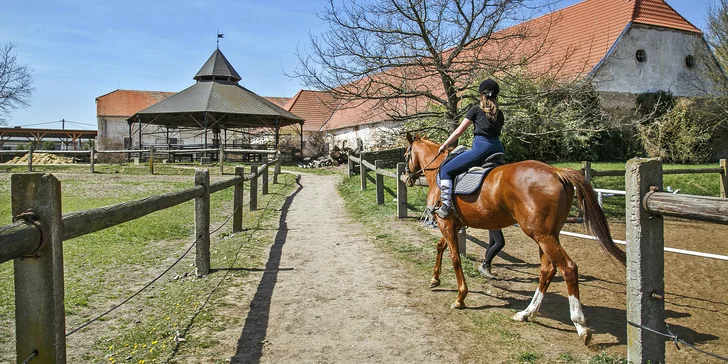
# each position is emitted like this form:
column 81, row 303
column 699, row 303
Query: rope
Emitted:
column 136, row 293
column 675, row 339
column 150, row 283
column 35, row 353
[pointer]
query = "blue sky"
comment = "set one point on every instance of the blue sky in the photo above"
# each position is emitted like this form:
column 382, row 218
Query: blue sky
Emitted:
column 80, row 50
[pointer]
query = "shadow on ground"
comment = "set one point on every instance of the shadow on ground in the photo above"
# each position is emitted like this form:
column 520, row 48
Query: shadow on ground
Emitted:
column 250, row 343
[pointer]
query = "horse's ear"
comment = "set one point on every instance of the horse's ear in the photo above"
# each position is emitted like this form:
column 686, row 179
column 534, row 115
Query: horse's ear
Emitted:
column 410, row 138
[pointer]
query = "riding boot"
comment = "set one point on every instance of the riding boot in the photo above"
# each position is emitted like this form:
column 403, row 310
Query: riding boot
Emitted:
column 484, row 269
column 445, row 198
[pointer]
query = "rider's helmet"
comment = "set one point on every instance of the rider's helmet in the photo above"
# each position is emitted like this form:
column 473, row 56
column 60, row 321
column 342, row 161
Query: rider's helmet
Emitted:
column 489, row 88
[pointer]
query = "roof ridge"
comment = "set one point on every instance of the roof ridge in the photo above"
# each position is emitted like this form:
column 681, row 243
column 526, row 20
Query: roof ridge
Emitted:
column 293, row 100
column 121, row 89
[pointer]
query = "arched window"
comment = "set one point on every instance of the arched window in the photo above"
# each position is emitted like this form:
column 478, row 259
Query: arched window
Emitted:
column 690, row 61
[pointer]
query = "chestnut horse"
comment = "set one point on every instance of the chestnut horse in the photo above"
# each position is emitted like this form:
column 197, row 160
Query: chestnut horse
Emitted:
column 535, row 195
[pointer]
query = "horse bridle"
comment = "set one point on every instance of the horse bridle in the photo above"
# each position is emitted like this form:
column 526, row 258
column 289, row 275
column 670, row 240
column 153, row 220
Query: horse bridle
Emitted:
column 411, row 176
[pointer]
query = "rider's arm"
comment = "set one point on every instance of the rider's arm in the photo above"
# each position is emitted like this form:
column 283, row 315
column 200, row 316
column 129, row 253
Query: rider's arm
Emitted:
column 456, row 134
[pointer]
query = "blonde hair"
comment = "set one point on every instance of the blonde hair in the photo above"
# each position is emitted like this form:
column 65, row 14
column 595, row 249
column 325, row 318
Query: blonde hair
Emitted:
column 489, row 106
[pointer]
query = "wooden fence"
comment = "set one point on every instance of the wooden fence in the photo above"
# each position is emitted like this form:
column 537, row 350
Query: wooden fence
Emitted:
column 645, row 252
column 35, row 242
column 152, row 153
column 380, row 173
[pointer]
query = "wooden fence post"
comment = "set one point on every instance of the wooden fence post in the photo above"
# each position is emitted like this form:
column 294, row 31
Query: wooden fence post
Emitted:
column 401, row 191
column 151, row 160
column 40, row 323
column 221, row 159
column 723, row 179
column 93, row 159
column 351, row 167
column 380, row 182
column 30, row 158
column 277, row 169
column 238, row 201
column 362, row 172
column 253, row 188
column 202, row 223
column 264, row 173
column 586, row 167
column 645, row 265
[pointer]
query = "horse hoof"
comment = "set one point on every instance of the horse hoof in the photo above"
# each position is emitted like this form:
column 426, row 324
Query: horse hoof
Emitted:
column 524, row 316
column 434, row 283
column 586, row 337
column 456, row 305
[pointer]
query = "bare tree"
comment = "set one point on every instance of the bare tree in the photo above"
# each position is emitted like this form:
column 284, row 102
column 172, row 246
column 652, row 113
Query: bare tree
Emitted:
column 16, row 82
column 416, row 58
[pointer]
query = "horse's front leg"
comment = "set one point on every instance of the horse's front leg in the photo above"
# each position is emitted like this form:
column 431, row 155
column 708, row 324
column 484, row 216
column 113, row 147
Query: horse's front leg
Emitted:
column 449, row 233
column 441, row 245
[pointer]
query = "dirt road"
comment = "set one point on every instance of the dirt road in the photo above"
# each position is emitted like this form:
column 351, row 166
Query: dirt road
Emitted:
column 328, row 294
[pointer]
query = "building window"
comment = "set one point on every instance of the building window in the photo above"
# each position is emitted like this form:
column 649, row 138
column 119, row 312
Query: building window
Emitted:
column 690, row 61
column 641, row 55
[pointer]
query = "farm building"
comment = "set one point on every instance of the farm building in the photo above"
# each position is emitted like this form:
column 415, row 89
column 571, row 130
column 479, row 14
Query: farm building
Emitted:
column 624, row 47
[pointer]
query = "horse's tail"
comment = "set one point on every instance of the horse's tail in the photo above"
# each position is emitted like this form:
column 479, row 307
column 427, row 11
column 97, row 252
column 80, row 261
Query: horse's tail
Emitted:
column 594, row 217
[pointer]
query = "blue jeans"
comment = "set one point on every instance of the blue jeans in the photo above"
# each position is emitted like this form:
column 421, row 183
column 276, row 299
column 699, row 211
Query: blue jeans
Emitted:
column 483, row 147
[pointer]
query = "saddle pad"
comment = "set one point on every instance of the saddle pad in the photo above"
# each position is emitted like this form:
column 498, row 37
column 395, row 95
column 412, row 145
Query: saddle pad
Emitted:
column 469, row 182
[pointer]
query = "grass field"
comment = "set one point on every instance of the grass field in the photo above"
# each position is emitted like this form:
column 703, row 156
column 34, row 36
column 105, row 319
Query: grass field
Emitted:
column 104, row 268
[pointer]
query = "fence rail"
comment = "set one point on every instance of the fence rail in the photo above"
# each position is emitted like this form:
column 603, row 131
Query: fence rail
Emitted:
column 39, row 280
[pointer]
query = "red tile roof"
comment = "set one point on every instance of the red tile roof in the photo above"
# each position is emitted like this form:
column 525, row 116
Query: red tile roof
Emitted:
column 578, row 38
column 658, row 12
column 315, row 107
column 127, row 102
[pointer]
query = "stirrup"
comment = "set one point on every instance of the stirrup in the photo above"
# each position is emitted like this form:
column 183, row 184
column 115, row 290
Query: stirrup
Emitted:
column 442, row 211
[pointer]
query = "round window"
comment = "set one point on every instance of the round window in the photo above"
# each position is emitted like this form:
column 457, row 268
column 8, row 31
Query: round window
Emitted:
column 690, row 61
column 641, row 55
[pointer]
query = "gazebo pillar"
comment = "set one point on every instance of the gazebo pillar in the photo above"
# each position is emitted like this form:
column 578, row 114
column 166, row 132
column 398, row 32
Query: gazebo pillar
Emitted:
column 127, row 147
column 205, row 154
column 301, row 140
column 140, row 136
column 278, row 129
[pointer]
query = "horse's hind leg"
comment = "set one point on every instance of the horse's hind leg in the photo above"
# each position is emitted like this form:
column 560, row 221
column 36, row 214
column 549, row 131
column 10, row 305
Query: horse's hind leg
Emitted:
column 548, row 270
column 441, row 245
column 553, row 250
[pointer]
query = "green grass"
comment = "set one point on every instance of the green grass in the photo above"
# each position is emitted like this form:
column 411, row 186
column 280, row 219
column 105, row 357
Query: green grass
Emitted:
column 103, row 268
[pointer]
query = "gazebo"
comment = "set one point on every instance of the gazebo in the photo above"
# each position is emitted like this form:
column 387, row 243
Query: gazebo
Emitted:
column 215, row 102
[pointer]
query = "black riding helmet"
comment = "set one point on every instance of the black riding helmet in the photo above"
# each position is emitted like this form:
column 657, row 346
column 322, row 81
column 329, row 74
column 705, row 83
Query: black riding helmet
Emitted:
column 489, row 88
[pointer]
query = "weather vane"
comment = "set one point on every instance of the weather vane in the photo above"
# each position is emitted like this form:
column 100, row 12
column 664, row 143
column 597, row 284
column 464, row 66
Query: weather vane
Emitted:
column 219, row 35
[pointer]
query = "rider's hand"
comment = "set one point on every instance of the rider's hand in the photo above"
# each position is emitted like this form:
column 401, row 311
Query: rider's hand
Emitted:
column 442, row 149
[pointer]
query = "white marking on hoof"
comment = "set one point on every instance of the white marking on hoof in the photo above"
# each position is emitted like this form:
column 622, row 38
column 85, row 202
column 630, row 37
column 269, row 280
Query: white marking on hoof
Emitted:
column 455, row 305
column 577, row 317
column 532, row 310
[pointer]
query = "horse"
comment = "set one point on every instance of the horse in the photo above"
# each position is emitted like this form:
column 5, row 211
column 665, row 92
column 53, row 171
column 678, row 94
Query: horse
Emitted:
column 532, row 194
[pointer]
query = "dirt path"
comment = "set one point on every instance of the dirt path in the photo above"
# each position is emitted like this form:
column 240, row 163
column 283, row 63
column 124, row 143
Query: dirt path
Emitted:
column 328, row 294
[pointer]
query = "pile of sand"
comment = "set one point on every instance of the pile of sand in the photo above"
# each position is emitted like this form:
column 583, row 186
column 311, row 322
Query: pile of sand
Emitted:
column 42, row 158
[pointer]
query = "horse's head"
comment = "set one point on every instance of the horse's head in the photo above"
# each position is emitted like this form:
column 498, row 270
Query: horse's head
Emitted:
column 419, row 156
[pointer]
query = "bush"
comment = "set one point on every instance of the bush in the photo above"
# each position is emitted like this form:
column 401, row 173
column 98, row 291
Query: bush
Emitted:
column 683, row 133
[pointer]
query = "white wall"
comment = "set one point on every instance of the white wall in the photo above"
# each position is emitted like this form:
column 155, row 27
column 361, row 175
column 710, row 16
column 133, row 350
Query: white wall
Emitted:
column 374, row 136
column 665, row 68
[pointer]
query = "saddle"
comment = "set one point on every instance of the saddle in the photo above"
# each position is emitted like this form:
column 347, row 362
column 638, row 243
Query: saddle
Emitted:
column 470, row 181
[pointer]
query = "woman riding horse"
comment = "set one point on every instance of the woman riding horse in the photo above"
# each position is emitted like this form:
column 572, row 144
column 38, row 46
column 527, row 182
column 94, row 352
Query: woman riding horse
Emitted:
column 488, row 122
column 534, row 195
